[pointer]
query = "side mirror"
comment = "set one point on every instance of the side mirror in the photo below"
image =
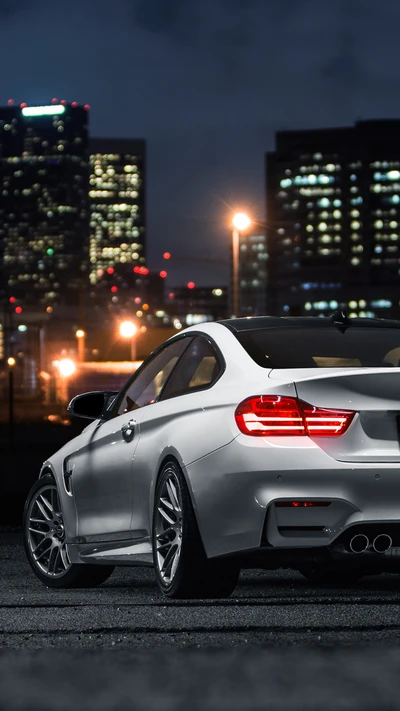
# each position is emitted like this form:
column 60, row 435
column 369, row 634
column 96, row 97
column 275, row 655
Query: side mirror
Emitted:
column 91, row 406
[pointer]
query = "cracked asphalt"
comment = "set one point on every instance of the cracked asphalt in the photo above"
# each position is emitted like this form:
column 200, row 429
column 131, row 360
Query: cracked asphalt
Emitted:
column 278, row 643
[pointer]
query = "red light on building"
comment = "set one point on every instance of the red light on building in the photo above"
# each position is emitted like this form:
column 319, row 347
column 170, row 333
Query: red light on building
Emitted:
column 191, row 285
column 74, row 104
column 144, row 270
column 87, row 107
column 114, row 289
column 10, row 102
column 12, row 299
column 110, row 270
column 163, row 274
column 54, row 101
column 171, row 295
column 63, row 102
column 137, row 270
column 18, row 310
column 23, row 105
column 167, row 255
column 137, row 300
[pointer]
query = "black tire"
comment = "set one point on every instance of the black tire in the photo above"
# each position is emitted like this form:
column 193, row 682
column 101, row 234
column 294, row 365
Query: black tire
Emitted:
column 196, row 576
column 77, row 575
column 334, row 576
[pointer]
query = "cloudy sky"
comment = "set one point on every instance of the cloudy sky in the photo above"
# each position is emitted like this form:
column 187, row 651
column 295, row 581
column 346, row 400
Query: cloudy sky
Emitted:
column 207, row 83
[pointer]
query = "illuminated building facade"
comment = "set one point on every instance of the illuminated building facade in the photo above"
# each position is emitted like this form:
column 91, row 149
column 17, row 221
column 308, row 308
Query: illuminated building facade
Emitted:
column 43, row 202
column 117, row 218
column 252, row 274
column 333, row 213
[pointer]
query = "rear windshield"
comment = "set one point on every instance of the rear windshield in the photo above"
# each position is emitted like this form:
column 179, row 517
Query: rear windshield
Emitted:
column 323, row 347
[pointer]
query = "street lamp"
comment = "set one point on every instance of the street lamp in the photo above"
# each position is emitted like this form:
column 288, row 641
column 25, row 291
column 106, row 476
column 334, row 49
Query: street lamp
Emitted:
column 128, row 330
column 65, row 368
column 80, row 336
column 240, row 223
column 11, row 362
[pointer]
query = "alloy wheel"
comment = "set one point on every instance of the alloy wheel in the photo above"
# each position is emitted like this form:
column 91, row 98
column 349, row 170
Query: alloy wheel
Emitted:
column 168, row 528
column 45, row 533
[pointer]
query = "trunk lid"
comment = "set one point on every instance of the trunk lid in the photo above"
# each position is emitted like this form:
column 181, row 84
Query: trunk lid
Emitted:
column 374, row 393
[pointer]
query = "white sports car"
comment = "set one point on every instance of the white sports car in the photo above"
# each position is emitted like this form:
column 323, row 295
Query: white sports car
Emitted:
column 257, row 442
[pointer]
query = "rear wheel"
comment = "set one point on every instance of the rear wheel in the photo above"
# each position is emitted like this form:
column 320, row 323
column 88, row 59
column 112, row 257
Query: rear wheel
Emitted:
column 45, row 544
column 322, row 574
column 182, row 567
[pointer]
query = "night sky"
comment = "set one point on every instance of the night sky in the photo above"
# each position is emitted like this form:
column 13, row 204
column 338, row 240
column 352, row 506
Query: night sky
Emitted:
column 207, row 83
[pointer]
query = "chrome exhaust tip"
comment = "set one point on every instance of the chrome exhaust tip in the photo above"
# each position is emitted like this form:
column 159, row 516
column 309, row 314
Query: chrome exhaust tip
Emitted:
column 359, row 543
column 382, row 543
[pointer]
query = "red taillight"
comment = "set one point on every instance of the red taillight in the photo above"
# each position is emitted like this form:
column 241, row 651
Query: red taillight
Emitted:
column 274, row 415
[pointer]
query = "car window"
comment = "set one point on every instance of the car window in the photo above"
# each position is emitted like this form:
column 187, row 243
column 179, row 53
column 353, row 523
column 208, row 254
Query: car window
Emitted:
column 147, row 385
column 199, row 367
column 355, row 347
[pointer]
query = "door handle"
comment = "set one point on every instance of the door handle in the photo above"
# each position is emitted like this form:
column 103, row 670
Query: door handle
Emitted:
column 128, row 430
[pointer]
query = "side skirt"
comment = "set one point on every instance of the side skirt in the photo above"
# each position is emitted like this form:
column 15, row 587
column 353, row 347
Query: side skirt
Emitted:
column 125, row 553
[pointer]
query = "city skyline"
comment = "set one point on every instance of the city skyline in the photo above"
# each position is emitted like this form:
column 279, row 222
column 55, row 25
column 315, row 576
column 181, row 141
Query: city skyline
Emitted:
column 207, row 84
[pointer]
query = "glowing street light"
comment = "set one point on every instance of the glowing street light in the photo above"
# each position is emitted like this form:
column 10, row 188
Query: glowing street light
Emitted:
column 66, row 367
column 240, row 223
column 128, row 330
column 80, row 336
column 11, row 362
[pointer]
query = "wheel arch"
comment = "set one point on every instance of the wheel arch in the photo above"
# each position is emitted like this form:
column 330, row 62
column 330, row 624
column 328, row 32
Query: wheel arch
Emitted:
column 46, row 469
column 165, row 458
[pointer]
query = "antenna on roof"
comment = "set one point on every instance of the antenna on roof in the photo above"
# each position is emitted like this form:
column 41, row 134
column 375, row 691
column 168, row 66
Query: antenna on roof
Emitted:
column 340, row 319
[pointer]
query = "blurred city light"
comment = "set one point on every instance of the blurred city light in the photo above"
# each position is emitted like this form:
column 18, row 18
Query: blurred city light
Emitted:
column 163, row 274
column 191, row 285
column 127, row 329
column 80, row 333
column 11, row 362
column 22, row 327
column 241, row 221
column 217, row 292
column 66, row 367
column 167, row 255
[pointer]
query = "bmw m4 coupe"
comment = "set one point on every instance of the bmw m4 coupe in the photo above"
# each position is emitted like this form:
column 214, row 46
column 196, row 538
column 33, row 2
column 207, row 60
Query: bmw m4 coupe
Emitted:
column 255, row 442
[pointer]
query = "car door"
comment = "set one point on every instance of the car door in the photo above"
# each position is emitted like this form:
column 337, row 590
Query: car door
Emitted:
column 103, row 469
column 177, row 420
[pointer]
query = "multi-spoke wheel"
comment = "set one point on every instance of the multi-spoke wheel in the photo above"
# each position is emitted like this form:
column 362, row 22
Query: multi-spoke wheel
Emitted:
column 45, row 542
column 180, row 562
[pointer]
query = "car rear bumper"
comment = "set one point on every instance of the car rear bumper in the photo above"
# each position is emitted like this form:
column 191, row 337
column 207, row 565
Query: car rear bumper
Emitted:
column 236, row 488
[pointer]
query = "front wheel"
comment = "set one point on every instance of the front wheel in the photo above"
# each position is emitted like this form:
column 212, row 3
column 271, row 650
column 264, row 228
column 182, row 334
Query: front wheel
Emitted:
column 181, row 565
column 45, row 544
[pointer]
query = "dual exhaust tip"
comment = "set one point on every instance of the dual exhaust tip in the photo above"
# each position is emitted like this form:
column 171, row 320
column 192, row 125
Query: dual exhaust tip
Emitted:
column 360, row 542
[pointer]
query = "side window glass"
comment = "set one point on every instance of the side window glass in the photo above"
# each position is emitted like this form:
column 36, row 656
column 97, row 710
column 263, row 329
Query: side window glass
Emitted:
column 199, row 367
column 147, row 385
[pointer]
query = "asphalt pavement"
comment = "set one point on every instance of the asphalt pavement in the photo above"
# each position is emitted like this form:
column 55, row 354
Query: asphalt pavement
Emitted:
column 278, row 643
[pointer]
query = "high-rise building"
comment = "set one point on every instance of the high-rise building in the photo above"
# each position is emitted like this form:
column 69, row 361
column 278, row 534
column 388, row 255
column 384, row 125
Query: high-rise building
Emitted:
column 43, row 202
column 333, row 213
column 117, row 217
column 252, row 274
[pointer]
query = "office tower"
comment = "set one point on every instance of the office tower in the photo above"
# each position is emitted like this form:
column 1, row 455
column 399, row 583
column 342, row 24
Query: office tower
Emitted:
column 252, row 274
column 333, row 215
column 117, row 218
column 43, row 203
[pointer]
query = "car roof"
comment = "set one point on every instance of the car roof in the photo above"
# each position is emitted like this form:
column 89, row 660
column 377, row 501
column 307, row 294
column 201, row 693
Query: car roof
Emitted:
column 257, row 323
